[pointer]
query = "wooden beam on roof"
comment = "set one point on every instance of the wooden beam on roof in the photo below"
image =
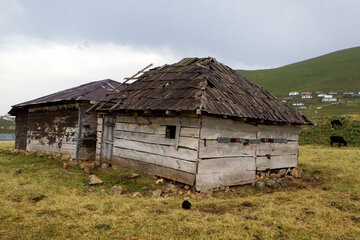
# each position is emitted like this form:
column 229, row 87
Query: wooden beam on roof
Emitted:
column 122, row 84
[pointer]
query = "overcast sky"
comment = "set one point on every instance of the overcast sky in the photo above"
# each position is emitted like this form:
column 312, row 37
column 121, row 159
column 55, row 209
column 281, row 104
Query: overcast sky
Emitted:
column 47, row 46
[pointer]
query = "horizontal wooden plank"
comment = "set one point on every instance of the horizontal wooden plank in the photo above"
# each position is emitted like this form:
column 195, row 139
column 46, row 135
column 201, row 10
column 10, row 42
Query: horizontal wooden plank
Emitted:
column 286, row 161
column 231, row 165
column 164, row 161
column 189, row 132
column 148, row 120
column 276, row 131
column 213, row 127
column 129, row 164
column 277, row 148
column 150, row 129
column 187, row 142
column 213, row 149
column 225, row 172
column 181, row 153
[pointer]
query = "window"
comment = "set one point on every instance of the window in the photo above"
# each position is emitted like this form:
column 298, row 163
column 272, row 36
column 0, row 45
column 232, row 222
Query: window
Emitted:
column 170, row 132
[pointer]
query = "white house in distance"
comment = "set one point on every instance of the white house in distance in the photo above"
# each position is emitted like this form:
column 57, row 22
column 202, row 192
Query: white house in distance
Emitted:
column 298, row 104
column 293, row 93
column 329, row 100
column 333, row 93
column 327, row 96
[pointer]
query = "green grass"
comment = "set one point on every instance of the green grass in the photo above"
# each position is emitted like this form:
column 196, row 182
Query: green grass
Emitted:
column 337, row 71
column 6, row 123
column 324, row 205
column 321, row 132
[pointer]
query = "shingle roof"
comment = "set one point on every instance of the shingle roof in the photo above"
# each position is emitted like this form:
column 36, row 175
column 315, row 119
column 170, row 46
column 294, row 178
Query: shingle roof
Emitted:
column 87, row 92
column 205, row 84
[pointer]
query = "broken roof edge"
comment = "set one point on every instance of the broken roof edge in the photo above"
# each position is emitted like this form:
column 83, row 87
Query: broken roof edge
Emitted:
column 68, row 94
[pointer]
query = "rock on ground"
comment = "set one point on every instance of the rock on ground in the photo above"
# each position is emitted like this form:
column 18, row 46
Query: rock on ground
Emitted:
column 116, row 189
column 169, row 188
column 93, row 180
column 297, row 173
column 157, row 193
column 260, row 184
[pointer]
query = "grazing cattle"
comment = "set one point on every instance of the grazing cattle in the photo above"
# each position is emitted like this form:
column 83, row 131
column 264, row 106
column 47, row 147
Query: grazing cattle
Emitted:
column 335, row 123
column 337, row 139
column 186, row 204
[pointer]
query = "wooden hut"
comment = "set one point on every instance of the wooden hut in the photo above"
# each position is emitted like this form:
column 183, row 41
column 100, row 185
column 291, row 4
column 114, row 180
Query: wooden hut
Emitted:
column 200, row 123
column 57, row 123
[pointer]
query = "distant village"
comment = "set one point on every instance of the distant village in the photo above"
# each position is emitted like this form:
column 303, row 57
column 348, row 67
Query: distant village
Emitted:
column 8, row 126
column 302, row 100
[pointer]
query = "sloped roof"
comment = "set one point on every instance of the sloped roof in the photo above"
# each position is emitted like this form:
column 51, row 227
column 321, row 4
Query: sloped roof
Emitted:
column 87, row 92
column 206, row 84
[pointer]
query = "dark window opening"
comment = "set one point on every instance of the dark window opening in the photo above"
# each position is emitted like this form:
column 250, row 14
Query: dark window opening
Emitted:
column 170, row 132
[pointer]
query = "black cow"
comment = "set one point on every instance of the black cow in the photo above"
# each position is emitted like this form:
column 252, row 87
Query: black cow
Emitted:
column 335, row 123
column 337, row 139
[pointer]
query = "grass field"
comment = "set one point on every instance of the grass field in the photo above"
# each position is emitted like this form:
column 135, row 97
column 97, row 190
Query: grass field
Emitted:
column 337, row 71
column 46, row 201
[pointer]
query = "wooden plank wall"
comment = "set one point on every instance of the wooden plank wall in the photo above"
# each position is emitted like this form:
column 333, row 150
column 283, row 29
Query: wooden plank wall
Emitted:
column 21, row 122
column 233, row 163
column 99, row 129
column 140, row 142
column 224, row 164
column 53, row 132
column 88, row 134
column 277, row 155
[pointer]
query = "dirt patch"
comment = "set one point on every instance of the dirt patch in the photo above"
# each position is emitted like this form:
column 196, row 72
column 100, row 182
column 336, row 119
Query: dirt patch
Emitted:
column 248, row 204
column 38, row 198
column 213, row 209
column 355, row 219
column 251, row 217
column 103, row 226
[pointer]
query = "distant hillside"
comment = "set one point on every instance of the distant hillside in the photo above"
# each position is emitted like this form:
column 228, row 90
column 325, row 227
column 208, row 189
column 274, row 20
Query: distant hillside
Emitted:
column 6, row 126
column 337, row 71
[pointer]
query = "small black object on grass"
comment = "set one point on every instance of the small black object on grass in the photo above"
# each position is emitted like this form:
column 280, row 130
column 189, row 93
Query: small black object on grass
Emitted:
column 186, row 204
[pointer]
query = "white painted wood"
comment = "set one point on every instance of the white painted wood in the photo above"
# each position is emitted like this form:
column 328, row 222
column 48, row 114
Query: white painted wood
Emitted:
column 181, row 153
column 213, row 149
column 277, row 148
column 213, row 127
column 276, row 131
column 164, row 161
column 286, row 161
column 187, row 142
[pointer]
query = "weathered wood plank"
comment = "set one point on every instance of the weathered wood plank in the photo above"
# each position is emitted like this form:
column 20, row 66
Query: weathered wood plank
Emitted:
column 181, row 153
column 276, row 131
column 147, row 120
column 213, row 149
column 225, row 172
column 189, row 132
column 150, row 129
column 123, row 163
column 159, row 160
column 213, row 127
column 277, row 148
column 286, row 161
column 187, row 142
column 99, row 121
column 232, row 164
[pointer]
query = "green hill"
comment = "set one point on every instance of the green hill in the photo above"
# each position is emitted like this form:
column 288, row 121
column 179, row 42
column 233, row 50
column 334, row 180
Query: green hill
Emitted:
column 337, row 71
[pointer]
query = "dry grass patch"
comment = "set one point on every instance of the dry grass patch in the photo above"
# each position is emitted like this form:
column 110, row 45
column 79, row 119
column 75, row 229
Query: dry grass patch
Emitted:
column 64, row 208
